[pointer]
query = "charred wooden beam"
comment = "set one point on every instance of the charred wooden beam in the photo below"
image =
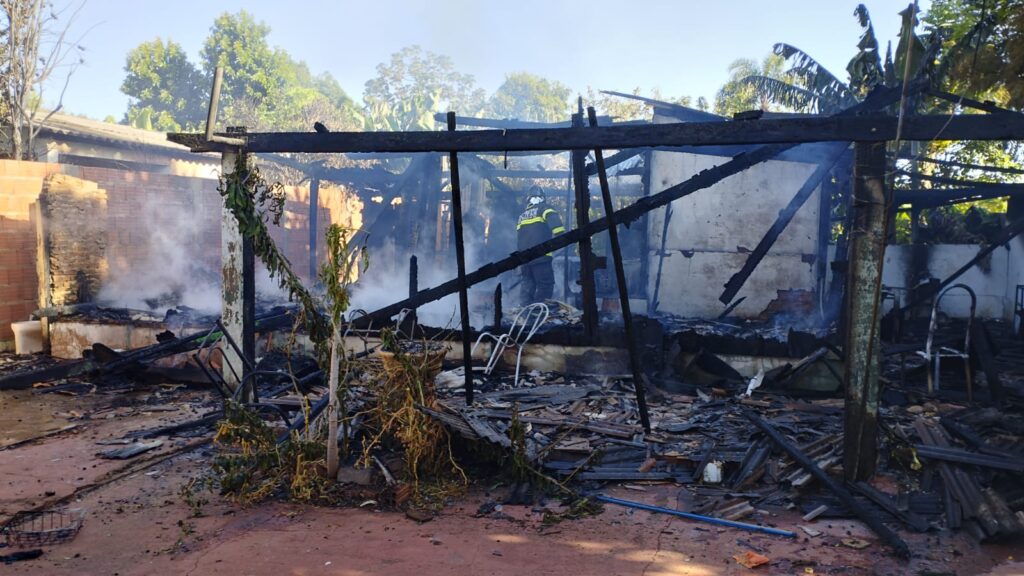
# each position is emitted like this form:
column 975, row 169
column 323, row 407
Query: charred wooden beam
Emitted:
column 862, row 342
column 982, row 349
column 838, row 128
column 700, row 181
column 732, row 287
column 460, row 261
column 970, row 102
column 914, row 521
column 314, row 211
column 581, row 187
column 964, row 165
column 930, row 197
column 958, row 456
column 890, row 538
column 1009, row 187
column 614, row 160
column 620, row 277
column 505, row 123
column 495, row 172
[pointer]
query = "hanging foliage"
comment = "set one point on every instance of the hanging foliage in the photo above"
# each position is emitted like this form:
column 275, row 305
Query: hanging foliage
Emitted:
column 254, row 203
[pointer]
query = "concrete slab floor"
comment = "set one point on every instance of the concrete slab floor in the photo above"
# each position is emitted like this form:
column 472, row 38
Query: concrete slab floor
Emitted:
column 140, row 525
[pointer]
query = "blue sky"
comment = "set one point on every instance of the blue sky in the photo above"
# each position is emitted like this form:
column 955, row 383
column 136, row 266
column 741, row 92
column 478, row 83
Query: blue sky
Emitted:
column 681, row 47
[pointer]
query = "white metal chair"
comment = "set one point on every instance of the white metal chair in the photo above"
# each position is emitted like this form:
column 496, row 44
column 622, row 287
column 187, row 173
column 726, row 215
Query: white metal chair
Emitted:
column 524, row 326
column 934, row 354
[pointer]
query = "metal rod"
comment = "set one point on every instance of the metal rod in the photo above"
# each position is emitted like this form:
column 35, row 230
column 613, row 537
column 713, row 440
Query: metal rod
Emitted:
column 697, row 517
column 620, row 278
column 460, row 260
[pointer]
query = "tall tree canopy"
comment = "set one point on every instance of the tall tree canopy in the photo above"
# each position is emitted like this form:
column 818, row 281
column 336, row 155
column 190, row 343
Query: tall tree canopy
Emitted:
column 164, row 85
column 413, row 73
column 985, row 41
column 264, row 87
column 525, row 96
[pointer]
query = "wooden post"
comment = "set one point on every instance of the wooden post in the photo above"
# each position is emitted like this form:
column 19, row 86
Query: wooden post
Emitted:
column 568, row 224
column 863, row 303
column 498, row 312
column 314, row 210
column 460, row 260
column 620, row 277
column 232, row 293
column 582, row 188
column 414, row 287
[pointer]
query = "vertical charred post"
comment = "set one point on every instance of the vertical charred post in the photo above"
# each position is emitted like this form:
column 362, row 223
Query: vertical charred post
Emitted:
column 460, row 258
column 620, row 278
column 314, row 204
column 863, row 303
column 582, row 189
column 414, row 287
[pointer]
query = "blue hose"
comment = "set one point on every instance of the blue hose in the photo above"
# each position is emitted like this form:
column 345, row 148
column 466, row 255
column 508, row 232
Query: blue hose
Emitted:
column 698, row 517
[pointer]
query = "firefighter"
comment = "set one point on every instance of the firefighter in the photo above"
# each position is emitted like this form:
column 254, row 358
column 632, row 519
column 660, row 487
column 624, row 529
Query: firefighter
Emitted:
column 537, row 224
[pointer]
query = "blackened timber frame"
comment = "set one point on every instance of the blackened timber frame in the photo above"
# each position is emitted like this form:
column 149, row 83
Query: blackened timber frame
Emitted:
column 841, row 128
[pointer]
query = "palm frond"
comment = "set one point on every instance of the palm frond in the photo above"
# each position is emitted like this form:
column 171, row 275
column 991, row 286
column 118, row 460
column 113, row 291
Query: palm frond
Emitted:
column 815, row 77
column 793, row 97
column 865, row 68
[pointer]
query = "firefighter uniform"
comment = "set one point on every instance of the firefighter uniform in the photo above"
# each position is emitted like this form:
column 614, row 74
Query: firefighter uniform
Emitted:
column 539, row 223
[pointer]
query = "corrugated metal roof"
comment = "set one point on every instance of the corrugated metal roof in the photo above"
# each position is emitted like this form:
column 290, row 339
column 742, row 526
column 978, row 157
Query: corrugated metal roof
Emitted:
column 57, row 123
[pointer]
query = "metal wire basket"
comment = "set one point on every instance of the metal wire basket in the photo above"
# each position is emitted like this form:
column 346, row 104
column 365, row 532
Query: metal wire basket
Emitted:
column 45, row 527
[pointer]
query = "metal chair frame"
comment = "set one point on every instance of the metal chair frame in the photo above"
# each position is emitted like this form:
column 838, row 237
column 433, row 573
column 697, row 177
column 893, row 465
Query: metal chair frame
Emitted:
column 533, row 316
column 934, row 355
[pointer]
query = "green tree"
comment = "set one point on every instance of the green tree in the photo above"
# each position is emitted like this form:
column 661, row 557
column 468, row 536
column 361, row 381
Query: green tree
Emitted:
column 254, row 73
column 417, row 75
column 160, row 79
column 985, row 45
column 525, row 96
column 264, row 88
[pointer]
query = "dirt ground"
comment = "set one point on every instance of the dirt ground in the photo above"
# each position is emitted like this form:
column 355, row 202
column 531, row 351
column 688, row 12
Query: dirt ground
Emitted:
column 139, row 524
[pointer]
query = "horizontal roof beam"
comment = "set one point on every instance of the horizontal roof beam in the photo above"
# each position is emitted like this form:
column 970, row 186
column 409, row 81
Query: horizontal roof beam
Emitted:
column 794, row 130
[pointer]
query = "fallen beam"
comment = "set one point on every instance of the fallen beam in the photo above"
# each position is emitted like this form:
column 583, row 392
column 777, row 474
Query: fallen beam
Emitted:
column 85, row 367
column 914, row 521
column 890, row 538
column 732, row 287
column 838, row 128
column 620, row 279
column 625, row 215
column 973, row 458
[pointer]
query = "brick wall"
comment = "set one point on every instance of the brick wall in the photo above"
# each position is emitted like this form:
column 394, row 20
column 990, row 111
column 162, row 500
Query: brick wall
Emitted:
column 20, row 185
column 143, row 211
column 75, row 232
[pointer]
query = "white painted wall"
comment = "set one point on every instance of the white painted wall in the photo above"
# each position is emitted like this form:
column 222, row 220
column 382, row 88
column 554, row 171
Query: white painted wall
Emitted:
column 712, row 230
column 994, row 284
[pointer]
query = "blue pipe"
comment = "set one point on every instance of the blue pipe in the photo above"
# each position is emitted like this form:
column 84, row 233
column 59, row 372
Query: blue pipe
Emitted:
column 698, row 517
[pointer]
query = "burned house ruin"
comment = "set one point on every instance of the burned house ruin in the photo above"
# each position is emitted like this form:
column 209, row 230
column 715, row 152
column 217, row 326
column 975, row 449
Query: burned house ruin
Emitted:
column 729, row 311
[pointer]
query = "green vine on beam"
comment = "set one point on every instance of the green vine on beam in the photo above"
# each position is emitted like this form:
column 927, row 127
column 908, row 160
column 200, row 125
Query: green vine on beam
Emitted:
column 254, row 203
